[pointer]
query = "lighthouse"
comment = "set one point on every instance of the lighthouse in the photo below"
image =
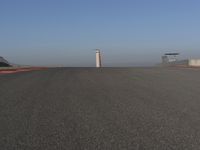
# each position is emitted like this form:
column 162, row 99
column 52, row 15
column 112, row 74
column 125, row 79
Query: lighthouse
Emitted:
column 98, row 58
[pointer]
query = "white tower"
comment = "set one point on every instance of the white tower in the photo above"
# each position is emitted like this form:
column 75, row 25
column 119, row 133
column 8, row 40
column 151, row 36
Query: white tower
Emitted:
column 98, row 58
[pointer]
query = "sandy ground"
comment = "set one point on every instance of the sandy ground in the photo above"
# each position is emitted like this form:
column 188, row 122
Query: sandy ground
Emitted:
column 100, row 109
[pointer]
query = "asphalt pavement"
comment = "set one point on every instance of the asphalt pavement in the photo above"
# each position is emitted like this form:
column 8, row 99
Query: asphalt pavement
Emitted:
column 100, row 109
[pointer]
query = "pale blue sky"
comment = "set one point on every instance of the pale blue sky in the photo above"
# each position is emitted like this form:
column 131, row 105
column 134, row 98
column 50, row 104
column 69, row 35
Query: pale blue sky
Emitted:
column 129, row 32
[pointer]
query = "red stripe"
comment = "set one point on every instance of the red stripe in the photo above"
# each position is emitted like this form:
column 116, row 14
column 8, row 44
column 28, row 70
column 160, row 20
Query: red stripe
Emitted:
column 9, row 71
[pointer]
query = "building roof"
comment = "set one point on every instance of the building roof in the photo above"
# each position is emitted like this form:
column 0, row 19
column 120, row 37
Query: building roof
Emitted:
column 173, row 54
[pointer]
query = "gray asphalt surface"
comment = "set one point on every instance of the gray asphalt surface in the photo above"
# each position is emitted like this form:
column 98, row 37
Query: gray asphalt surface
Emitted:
column 100, row 109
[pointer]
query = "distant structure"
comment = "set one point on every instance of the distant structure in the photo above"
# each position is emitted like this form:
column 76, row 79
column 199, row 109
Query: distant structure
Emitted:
column 171, row 59
column 4, row 63
column 98, row 58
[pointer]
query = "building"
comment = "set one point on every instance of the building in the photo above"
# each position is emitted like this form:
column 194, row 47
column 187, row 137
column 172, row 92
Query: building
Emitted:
column 194, row 62
column 170, row 59
column 4, row 63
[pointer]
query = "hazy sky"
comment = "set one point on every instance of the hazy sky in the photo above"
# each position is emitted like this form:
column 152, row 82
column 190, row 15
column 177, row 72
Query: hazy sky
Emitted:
column 129, row 32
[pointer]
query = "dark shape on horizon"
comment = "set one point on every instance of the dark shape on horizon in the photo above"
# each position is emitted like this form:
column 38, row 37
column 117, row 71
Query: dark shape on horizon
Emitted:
column 172, row 54
column 4, row 63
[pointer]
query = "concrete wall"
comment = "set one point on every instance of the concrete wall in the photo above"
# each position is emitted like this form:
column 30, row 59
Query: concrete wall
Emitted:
column 194, row 62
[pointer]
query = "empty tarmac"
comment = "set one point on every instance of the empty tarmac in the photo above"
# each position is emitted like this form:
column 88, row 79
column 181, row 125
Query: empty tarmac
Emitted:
column 100, row 109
